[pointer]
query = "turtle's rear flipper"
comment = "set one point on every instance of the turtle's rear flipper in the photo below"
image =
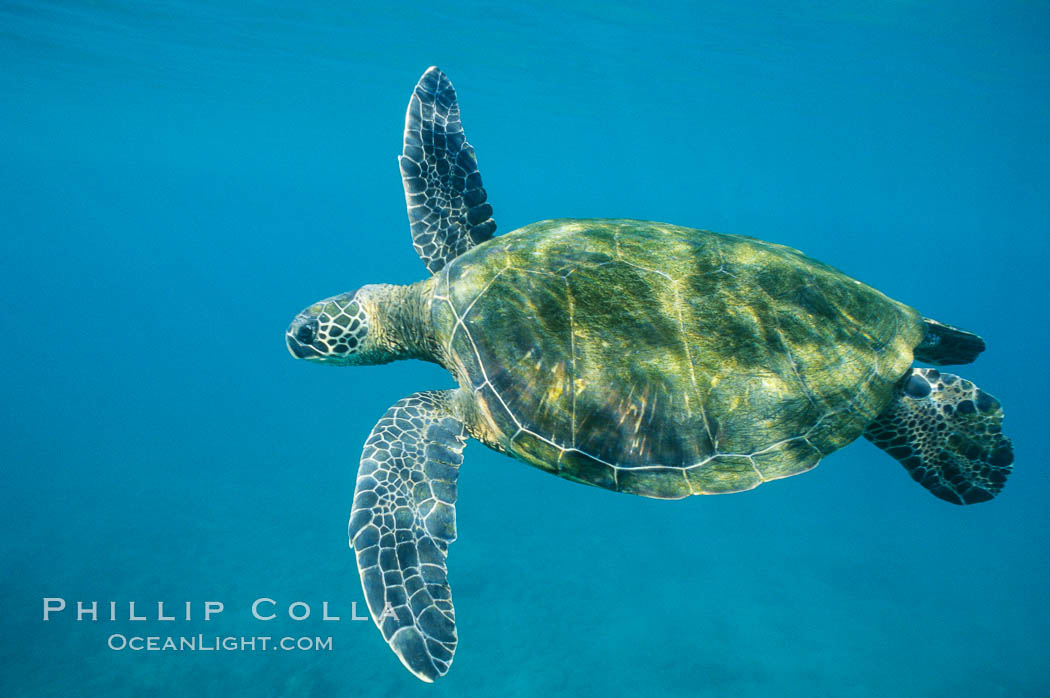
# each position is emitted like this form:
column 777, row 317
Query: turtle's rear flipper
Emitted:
column 944, row 345
column 947, row 433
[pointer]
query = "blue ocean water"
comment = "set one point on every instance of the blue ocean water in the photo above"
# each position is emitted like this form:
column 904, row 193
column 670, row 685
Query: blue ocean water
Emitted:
column 179, row 178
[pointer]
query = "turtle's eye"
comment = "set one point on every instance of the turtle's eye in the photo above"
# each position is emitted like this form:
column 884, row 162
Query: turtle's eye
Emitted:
column 307, row 332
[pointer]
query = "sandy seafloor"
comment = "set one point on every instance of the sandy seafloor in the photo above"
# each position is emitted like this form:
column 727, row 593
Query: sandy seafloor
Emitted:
column 178, row 179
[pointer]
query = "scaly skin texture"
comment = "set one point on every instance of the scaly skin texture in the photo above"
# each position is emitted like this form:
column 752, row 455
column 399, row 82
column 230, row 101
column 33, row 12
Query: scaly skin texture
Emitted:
column 664, row 361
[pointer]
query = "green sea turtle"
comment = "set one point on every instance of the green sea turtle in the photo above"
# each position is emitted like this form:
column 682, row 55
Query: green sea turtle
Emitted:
column 636, row 356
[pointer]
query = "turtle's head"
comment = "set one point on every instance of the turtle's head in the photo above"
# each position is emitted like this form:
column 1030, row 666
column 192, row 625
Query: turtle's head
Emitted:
column 336, row 331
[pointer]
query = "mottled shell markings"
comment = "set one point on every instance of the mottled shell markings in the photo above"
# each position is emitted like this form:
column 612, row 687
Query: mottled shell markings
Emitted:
column 599, row 349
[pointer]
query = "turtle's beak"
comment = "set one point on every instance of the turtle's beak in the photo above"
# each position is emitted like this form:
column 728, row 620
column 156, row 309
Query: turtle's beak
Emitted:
column 298, row 349
column 299, row 336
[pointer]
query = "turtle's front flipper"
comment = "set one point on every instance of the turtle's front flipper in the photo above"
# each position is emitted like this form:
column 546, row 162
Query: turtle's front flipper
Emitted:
column 947, row 433
column 446, row 202
column 403, row 518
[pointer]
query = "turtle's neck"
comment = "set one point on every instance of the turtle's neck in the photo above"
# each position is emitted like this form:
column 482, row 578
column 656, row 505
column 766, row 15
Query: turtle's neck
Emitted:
column 402, row 320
